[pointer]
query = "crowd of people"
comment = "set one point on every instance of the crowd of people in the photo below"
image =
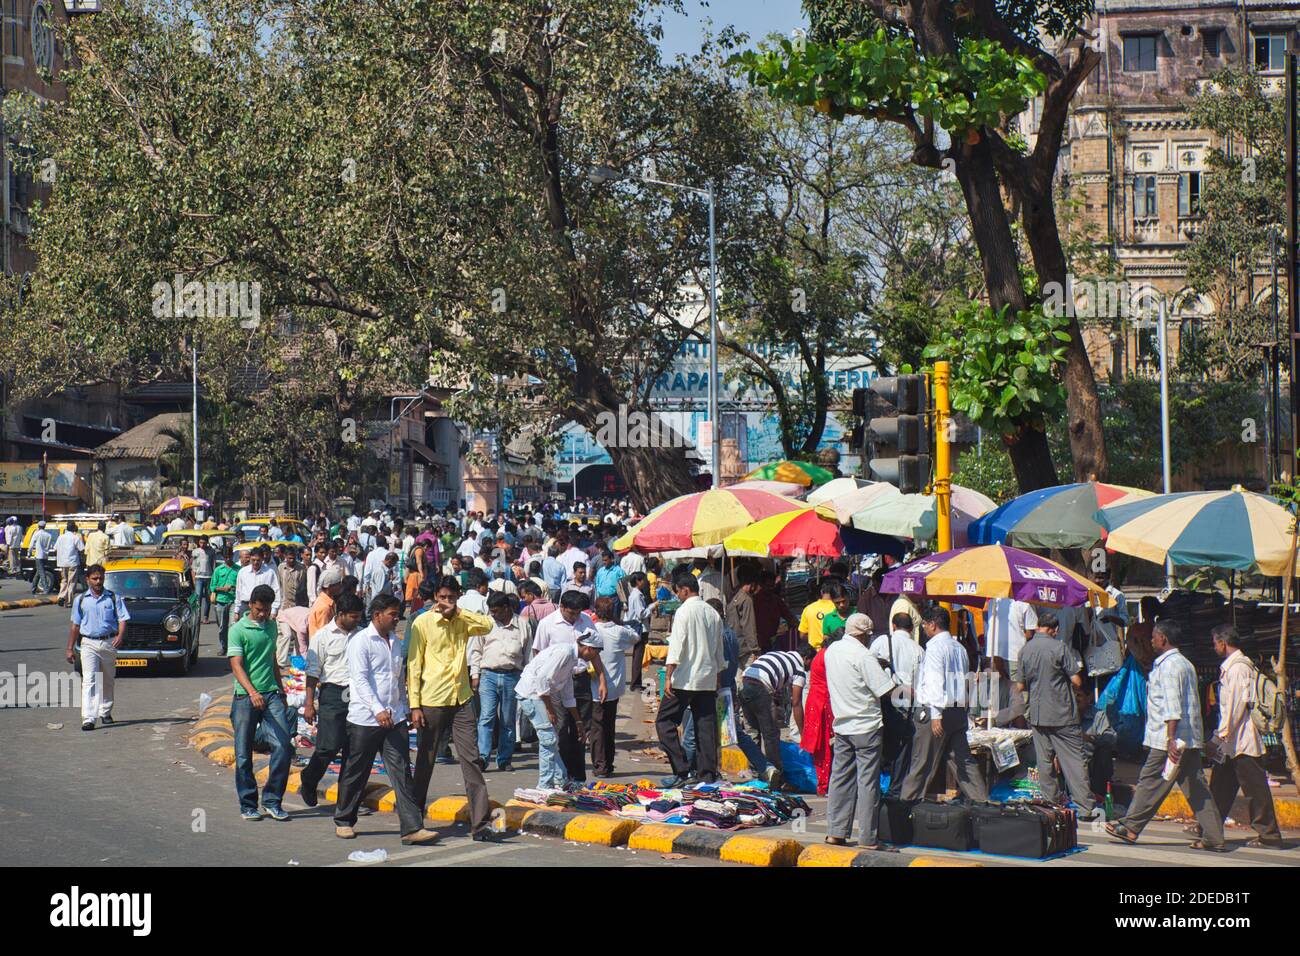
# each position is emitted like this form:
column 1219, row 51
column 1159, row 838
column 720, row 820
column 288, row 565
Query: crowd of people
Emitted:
column 455, row 629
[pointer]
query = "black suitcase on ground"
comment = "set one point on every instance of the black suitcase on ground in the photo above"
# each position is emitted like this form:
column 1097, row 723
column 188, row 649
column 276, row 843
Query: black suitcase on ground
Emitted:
column 1034, row 830
column 944, row 826
column 895, row 824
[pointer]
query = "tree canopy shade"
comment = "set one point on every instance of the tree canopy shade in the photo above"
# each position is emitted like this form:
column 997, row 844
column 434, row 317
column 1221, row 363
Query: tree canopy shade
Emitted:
column 966, row 69
column 408, row 180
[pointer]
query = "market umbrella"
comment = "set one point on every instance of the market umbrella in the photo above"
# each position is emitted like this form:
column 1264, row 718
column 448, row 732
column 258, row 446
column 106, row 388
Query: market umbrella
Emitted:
column 1234, row 529
column 180, row 503
column 837, row 488
column 1060, row 517
column 917, row 516
column 703, row 518
column 972, row 575
column 787, row 488
column 788, row 534
column 797, row 472
column 852, row 500
column 807, row 534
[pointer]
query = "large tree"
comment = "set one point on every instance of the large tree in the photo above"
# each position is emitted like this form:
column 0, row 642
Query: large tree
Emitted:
column 408, row 178
column 851, row 251
column 954, row 75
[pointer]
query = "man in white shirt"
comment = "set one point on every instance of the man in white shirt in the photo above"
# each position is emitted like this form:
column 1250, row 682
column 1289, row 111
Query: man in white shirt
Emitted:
column 546, row 686
column 40, row 548
column 327, row 670
column 695, row 664
column 632, row 562
column 377, row 720
column 123, row 534
column 617, row 641
column 475, row 598
column 1174, row 735
column 856, row 683
column 899, row 652
column 569, row 625
column 67, row 555
column 257, row 571
column 176, row 524
column 939, row 714
column 13, row 539
column 710, row 582
column 1008, row 624
column 571, row 556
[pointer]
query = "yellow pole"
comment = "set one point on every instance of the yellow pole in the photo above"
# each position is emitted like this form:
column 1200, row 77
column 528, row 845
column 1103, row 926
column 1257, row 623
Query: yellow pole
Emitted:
column 942, row 458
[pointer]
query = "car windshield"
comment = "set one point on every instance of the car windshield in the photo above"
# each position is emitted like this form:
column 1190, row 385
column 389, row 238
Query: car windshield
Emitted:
column 143, row 584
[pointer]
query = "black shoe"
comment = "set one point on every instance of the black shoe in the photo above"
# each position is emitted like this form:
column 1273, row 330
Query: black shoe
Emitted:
column 673, row 783
column 88, row 725
column 309, row 796
column 485, row 836
column 106, row 719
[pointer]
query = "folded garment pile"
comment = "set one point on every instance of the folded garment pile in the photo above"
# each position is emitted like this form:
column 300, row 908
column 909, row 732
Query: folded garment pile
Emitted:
column 717, row 806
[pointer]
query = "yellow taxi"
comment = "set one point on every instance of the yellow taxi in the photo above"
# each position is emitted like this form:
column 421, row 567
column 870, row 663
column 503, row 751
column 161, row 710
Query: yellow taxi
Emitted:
column 216, row 539
column 163, row 632
column 251, row 528
column 85, row 523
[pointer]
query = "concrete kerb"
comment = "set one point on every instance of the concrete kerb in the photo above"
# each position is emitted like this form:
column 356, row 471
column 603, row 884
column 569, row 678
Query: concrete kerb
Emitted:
column 27, row 602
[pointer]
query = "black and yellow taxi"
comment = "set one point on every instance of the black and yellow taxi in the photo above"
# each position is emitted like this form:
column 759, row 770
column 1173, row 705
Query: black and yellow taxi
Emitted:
column 217, row 540
column 86, row 523
column 163, row 632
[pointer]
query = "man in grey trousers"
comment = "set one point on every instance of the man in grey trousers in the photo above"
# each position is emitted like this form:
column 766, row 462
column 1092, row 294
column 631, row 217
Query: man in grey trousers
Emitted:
column 1174, row 734
column 856, row 683
column 1049, row 679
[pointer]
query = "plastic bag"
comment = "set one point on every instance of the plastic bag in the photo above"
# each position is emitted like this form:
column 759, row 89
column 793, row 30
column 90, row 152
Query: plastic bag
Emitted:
column 798, row 768
column 368, row 856
column 1103, row 655
column 726, row 718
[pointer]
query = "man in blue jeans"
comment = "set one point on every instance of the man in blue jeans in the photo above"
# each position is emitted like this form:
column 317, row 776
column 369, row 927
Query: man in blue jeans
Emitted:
column 495, row 662
column 259, row 700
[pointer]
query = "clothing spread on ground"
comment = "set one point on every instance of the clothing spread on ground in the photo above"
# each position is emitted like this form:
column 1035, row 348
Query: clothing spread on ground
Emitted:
column 716, row 806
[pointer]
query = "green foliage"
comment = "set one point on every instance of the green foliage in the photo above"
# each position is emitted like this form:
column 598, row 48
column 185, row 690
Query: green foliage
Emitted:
column 1203, row 418
column 988, row 472
column 1004, row 370
column 1029, row 20
column 886, row 76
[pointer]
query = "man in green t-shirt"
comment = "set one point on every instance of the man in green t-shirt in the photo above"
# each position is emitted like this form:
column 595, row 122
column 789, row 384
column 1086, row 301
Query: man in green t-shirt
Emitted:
column 259, row 697
column 222, row 586
column 833, row 623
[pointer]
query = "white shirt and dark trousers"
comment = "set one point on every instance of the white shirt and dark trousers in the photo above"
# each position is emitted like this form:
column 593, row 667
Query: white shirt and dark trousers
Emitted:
column 375, row 685
column 903, row 655
column 941, row 696
column 327, row 661
column 695, row 647
column 762, row 680
column 855, row 682
column 1173, row 694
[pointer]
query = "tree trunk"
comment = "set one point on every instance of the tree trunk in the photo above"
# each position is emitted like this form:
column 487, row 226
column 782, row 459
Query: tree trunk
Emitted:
column 1031, row 459
column 990, row 227
column 653, row 475
column 1082, row 404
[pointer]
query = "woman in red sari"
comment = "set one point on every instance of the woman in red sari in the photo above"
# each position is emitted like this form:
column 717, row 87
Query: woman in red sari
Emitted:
column 817, row 719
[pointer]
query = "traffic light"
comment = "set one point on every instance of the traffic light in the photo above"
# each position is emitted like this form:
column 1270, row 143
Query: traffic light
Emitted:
column 895, row 413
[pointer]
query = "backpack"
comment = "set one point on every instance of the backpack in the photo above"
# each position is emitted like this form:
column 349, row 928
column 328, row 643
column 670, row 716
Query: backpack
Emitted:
column 1267, row 709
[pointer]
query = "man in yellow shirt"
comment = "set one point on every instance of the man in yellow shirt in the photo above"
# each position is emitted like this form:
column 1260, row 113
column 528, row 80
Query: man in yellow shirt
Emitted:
column 442, row 701
column 810, row 622
column 97, row 545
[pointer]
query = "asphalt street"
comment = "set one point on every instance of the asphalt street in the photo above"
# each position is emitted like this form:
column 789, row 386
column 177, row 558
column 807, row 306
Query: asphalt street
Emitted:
column 134, row 794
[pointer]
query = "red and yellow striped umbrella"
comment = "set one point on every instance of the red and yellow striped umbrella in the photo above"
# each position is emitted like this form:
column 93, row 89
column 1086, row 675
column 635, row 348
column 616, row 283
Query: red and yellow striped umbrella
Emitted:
column 802, row 533
column 703, row 518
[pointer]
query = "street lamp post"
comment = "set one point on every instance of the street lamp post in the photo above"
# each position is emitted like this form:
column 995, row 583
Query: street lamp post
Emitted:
column 606, row 174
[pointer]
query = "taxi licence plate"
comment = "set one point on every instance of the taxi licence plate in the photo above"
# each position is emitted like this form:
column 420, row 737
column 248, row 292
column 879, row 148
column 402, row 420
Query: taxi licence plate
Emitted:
column 133, row 662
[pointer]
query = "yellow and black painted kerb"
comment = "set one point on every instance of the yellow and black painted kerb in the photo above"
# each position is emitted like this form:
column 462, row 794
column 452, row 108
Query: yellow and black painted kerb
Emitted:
column 28, row 602
column 749, row 848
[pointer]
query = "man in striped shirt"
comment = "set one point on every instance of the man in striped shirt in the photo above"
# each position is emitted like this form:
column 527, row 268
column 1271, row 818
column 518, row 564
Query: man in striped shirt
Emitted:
column 762, row 680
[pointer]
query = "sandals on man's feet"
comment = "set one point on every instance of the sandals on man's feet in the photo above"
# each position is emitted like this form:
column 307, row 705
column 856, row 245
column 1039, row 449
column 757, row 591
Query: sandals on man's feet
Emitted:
column 1121, row 832
column 1207, row 847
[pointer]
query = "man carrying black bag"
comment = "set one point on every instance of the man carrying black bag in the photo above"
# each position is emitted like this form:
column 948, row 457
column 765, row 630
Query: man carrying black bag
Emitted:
column 900, row 652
